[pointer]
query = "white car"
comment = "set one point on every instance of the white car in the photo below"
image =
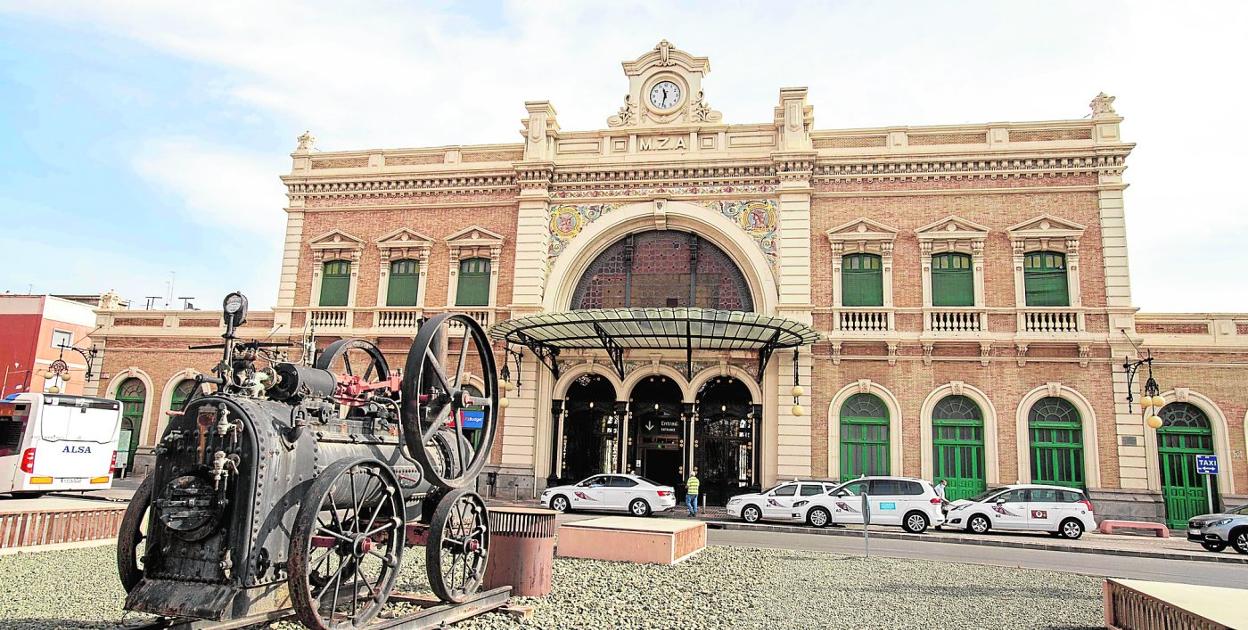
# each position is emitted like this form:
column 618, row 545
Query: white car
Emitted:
column 776, row 503
column 614, row 493
column 911, row 503
column 1059, row 510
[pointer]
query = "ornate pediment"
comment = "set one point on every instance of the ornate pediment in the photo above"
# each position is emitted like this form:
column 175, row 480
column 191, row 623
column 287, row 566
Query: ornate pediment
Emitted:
column 952, row 229
column 474, row 235
column 336, row 244
column 863, row 229
column 404, row 243
column 1045, row 226
column 665, row 87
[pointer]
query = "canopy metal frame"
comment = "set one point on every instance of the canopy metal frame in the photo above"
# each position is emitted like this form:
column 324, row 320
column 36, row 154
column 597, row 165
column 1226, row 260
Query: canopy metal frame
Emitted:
column 616, row 330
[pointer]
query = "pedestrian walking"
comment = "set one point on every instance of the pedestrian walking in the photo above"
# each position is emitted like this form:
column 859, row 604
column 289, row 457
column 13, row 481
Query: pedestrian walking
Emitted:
column 692, row 486
column 940, row 494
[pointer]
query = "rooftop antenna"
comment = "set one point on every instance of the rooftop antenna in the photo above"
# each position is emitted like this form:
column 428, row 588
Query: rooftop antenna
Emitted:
column 186, row 303
column 151, row 301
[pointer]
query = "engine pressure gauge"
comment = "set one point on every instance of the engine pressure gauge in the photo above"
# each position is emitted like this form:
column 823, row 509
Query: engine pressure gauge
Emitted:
column 235, row 307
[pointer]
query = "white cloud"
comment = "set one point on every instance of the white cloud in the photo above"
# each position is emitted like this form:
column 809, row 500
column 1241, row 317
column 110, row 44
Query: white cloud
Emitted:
column 393, row 74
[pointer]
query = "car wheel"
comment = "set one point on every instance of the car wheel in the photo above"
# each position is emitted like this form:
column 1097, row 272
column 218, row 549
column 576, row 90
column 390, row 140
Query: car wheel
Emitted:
column 915, row 523
column 818, row 517
column 1215, row 547
column 1239, row 539
column 639, row 507
column 559, row 503
column 1071, row 528
column 751, row 514
column 979, row 524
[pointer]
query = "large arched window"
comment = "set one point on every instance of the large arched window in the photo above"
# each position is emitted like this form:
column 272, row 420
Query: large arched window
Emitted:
column 862, row 280
column 181, row 393
column 404, row 282
column 132, row 394
column 335, row 283
column 1044, row 278
column 1056, row 443
column 474, row 282
column 958, row 446
column 663, row 268
column 953, row 280
column 1184, row 434
column 864, row 436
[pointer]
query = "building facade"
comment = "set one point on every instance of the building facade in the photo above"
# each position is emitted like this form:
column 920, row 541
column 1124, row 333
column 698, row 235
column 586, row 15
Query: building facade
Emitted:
column 38, row 337
column 947, row 301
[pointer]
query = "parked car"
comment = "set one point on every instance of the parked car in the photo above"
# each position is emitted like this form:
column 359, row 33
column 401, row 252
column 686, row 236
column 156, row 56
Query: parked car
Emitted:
column 777, row 502
column 1215, row 531
column 1058, row 510
column 911, row 503
column 611, row 493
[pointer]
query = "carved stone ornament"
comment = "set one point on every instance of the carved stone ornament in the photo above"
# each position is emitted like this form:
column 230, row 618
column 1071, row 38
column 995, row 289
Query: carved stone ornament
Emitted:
column 700, row 111
column 864, row 386
column 307, row 142
column 627, row 115
column 1103, row 105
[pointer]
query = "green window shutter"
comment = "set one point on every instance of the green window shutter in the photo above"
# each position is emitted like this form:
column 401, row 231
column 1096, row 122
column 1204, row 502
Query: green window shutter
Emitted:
column 862, row 281
column 404, row 283
column 1044, row 278
column 953, row 280
column 335, row 283
column 474, row 283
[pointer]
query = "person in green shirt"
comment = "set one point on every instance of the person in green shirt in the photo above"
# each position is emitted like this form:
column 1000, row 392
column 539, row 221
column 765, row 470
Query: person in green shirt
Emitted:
column 692, row 486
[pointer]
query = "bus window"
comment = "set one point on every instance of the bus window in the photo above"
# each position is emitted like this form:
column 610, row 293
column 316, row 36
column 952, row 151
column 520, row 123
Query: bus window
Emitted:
column 11, row 429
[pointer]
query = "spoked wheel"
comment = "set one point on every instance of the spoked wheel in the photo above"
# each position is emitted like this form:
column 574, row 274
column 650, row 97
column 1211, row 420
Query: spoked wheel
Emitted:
column 356, row 363
column 438, row 399
column 458, row 546
column 347, row 545
column 132, row 538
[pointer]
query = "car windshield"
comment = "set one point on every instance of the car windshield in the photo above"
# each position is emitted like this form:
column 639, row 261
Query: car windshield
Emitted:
column 1243, row 509
column 985, row 494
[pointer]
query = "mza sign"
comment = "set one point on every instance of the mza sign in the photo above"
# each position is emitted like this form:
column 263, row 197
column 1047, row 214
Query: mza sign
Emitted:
column 1207, row 464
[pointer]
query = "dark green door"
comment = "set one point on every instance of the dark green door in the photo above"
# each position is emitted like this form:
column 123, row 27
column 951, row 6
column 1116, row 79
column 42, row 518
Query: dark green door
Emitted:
column 953, row 280
column 1184, row 435
column 133, row 397
column 1044, row 278
column 474, row 282
column 335, row 283
column 1056, row 443
column 958, row 445
column 862, row 281
column 404, row 283
column 864, row 437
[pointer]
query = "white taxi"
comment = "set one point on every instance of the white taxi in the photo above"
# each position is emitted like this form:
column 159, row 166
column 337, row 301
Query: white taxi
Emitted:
column 1058, row 510
column 611, row 493
column 911, row 503
column 775, row 503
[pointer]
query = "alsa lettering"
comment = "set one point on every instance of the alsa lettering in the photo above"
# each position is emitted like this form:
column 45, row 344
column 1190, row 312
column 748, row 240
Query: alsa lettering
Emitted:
column 76, row 449
column 662, row 143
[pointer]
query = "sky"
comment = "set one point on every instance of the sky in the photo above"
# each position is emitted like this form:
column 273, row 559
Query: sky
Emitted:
column 141, row 142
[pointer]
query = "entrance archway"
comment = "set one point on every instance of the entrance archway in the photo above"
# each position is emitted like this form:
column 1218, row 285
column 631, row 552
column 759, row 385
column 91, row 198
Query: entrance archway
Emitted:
column 590, row 443
column 133, row 397
column 657, row 431
column 958, row 446
column 1186, row 433
column 726, row 439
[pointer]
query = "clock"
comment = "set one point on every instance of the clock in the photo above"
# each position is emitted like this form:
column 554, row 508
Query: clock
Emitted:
column 665, row 95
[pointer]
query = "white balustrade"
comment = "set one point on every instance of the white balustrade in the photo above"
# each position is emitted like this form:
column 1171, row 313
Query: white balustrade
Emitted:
column 862, row 320
column 955, row 320
column 392, row 318
column 327, row 318
column 1050, row 321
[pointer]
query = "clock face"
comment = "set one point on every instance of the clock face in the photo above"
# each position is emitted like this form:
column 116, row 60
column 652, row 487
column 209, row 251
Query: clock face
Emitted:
column 665, row 95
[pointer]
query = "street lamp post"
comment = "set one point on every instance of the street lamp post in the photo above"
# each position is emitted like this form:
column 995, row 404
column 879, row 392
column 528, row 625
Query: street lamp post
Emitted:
column 1152, row 392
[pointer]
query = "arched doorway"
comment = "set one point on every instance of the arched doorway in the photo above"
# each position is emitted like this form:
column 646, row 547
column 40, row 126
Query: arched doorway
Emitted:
column 725, row 438
column 657, row 430
column 1056, row 437
column 133, row 397
column 1184, row 434
column 590, row 442
column 958, row 446
column 864, row 437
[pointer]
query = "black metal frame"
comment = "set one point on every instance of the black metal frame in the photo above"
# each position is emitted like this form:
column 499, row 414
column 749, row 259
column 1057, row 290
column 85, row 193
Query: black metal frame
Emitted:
column 1150, row 385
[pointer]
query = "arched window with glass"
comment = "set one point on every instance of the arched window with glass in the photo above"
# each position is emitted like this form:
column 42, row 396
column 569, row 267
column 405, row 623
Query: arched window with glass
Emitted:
column 958, row 446
column 181, row 393
column 404, row 283
column 864, row 436
column 1056, row 433
column 1044, row 279
column 953, row 280
column 335, row 283
column 132, row 394
column 862, row 280
column 473, row 288
column 1185, row 433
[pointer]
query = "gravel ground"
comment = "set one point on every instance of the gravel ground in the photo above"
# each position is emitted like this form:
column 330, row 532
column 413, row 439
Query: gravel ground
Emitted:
column 723, row 587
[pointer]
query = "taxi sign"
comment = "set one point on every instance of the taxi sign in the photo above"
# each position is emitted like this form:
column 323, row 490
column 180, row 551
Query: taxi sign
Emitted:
column 1207, row 464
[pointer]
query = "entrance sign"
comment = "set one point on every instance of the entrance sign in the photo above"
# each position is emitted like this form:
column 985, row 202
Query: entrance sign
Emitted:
column 1207, row 464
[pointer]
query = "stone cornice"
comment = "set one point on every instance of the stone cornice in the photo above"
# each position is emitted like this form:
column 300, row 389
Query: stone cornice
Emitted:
column 969, row 167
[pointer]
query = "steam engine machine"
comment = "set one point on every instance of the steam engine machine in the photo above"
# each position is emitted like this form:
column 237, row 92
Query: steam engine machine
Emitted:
column 301, row 484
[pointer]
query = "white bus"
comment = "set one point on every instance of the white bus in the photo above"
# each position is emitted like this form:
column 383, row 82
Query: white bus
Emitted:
column 57, row 442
